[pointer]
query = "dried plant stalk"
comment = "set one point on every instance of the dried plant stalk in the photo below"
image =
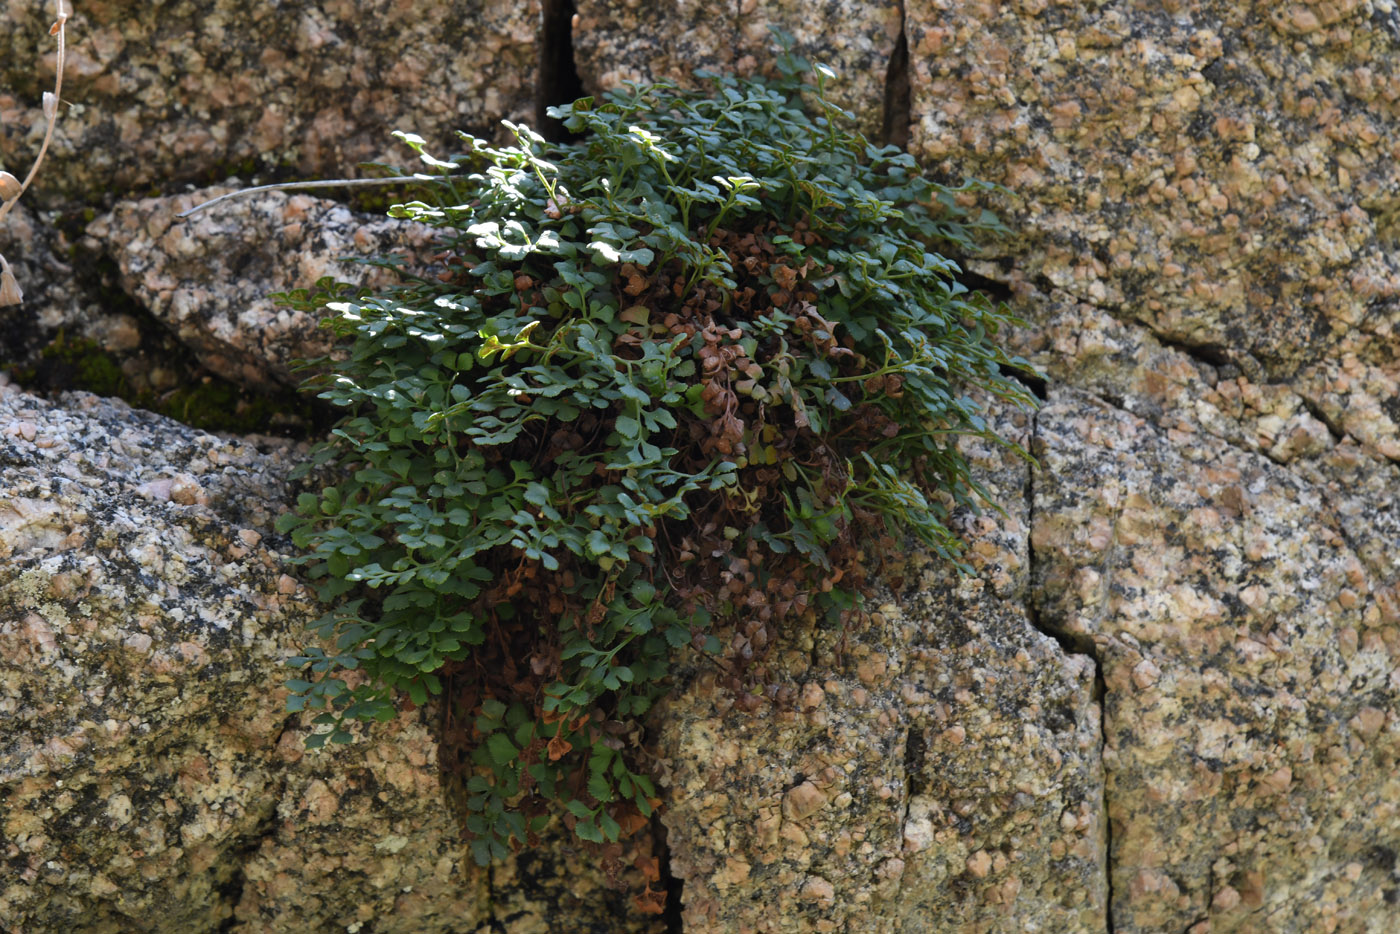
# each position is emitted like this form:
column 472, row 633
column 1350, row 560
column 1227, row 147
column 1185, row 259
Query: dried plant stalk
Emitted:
column 299, row 186
column 11, row 188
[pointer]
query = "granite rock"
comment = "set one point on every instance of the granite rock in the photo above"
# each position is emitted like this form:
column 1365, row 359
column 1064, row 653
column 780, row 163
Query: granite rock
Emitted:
column 41, row 257
column 1231, row 560
column 210, row 278
column 936, row 766
column 195, row 90
column 140, row 620
column 360, row 837
column 1223, row 174
column 642, row 40
column 1249, row 660
column 72, row 301
column 150, row 778
column 1202, row 205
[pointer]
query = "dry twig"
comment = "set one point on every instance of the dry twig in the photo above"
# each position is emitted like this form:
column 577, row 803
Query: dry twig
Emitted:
column 12, row 188
column 298, row 186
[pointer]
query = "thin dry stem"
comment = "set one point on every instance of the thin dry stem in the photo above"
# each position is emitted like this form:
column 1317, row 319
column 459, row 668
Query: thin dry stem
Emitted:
column 11, row 293
column 325, row 183
column 58, row 29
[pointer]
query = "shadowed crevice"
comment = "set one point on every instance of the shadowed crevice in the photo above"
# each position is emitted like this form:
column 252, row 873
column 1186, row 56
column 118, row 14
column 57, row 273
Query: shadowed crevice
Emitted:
column 1215, row 355
column 558, row 81
column 1101, row 698
column 1072, row 644
column 245, row 847
column 1315, row 410
column 672, row 922
column 1038, row 385
column 915, row 753
column 898, row 114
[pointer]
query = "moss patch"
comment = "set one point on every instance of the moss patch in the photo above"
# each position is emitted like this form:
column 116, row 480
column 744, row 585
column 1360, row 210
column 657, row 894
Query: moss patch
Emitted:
column 201, row 401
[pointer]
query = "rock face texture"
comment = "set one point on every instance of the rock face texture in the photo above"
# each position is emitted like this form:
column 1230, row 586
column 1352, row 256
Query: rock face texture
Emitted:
column 642, row 40
column 197, row 90
column 150, row 778
column 1220, row 174
column 1169, row 699
column 939, row 769
column 52, row 299
column 1203, row 198
column 1251, row 753
column 209, row 278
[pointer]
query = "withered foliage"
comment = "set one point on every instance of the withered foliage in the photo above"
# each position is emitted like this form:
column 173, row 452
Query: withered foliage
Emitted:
column 674, row 388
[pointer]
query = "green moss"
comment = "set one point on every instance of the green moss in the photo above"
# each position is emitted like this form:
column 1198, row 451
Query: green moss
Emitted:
column 218, row 405
column 86, row 365
column 208, row 403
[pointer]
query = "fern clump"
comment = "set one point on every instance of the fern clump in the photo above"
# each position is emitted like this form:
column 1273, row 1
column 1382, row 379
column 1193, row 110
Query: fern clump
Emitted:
column 661, row 383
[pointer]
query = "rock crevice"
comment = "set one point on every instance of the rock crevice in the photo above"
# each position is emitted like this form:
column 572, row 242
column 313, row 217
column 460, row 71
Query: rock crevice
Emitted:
column 1204, row 225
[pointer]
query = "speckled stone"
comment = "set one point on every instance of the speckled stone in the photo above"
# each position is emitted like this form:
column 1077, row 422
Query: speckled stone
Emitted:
column 562, row 886
column 361, row 838
column 1203, row 237
column 938, row 770
column 1249, row 658
column 644, row 40
column 150, row 778
column 209, row 278
column 1233, row 560
column 190, row 90
column 142, row 619
column 1221, row 172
